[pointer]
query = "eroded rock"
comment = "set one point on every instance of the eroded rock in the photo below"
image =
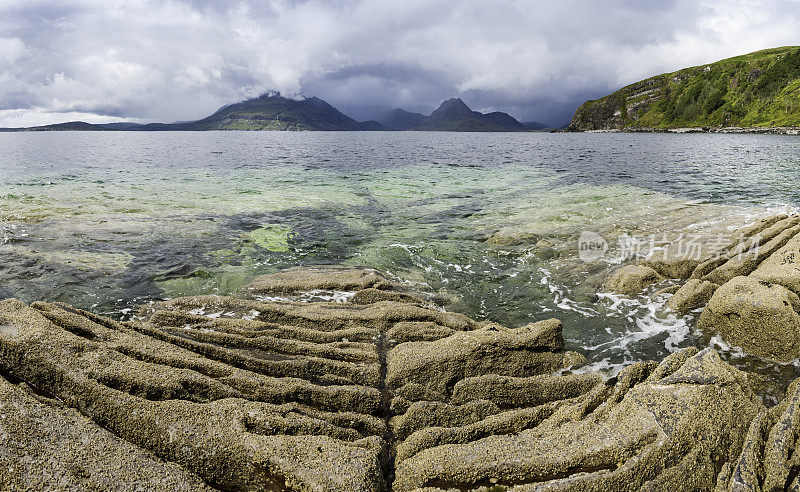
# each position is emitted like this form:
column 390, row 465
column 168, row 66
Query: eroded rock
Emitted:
column 757, row 316
column 47, row 446
column 632, row 279
column 617, row 436
column 749, row 289
column 261, row 393
column 693, row 294
column 493, row 349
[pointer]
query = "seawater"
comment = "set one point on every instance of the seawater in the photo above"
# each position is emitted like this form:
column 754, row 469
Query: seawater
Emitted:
column 108, row 221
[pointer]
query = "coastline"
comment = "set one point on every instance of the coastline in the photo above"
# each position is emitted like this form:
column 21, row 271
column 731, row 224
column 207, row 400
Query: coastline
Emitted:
column 755, row 130
column 378, row 390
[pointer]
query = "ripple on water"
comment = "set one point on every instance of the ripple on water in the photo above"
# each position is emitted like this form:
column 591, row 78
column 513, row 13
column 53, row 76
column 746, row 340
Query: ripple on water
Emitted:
column 108, row 221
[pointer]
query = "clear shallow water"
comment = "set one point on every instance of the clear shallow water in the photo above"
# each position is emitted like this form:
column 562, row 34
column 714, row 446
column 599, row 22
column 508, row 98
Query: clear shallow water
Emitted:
column 107, row 221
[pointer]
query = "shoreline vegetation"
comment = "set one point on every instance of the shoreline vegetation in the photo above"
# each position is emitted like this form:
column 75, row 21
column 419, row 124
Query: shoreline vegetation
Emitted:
column 753, row 130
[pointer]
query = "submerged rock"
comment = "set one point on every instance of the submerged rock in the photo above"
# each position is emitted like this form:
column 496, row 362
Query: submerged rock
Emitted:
column 327, row 277
column 374, row 393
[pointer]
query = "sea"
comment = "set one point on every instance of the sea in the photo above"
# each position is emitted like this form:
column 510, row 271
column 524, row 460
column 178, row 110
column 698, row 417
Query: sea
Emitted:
column 490, row 222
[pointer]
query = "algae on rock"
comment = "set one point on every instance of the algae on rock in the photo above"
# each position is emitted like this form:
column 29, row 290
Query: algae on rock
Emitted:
column 259, row 393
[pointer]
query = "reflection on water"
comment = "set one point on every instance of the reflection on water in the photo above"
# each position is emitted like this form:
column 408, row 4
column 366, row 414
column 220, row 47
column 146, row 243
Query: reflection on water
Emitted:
column 110, row 220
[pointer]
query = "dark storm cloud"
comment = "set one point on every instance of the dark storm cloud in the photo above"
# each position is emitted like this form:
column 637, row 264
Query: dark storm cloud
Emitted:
column 172, row 60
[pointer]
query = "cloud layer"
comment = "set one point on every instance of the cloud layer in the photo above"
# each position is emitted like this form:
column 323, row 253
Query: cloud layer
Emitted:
column 158, row 60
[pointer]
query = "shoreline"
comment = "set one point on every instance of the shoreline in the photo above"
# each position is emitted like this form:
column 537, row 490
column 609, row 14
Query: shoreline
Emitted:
column 735, row 130
column 378, row 391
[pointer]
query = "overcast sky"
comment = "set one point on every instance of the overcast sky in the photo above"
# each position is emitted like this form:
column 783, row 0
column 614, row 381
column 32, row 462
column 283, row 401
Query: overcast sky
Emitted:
column 158, row 60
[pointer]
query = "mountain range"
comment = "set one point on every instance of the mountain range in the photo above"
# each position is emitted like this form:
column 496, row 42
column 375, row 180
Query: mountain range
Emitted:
column 272, row 111
column 760, row 89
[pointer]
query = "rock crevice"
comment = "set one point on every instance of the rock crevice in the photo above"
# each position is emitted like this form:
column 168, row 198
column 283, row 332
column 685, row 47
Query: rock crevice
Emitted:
column 273, row 392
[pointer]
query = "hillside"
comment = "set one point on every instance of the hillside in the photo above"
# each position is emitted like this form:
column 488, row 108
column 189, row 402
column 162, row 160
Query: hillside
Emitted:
column 268, row 112
column 535, row 125
column 400, row 119
column 274, row 112
column 761, row 89
column 455, row 116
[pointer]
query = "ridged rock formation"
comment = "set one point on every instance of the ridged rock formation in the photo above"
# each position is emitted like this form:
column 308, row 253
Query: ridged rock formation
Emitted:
column 336, row 378
column 748, row 290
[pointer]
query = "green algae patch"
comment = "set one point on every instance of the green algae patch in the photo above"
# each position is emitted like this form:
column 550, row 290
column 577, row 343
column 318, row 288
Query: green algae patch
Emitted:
column 222, row 281
column 272, row 238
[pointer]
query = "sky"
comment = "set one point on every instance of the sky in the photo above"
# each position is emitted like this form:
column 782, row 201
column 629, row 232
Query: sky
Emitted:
column 179, row 60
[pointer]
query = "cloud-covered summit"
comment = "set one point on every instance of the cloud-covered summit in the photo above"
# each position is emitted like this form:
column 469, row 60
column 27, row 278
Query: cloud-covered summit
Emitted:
column 168, row 60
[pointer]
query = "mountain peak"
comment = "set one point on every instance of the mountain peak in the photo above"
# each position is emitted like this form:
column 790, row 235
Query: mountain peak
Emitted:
column 454, row 115
column 454, row 104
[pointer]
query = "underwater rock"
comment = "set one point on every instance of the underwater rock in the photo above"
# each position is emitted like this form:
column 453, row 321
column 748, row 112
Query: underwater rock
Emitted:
column 327, row 277
column 632, row 279
column 380, row 393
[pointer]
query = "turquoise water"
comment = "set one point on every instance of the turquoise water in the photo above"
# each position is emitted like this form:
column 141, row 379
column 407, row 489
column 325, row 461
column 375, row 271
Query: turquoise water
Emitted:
column 108, row 221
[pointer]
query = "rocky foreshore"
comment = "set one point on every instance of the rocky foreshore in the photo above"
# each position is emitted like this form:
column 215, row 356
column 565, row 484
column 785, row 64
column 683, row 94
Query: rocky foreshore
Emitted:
column 338, row 378
column 746, row 292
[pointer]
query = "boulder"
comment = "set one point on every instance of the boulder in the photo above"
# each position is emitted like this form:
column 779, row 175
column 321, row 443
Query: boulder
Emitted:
column 757, row 316
column 693, row 294
column 632, row 279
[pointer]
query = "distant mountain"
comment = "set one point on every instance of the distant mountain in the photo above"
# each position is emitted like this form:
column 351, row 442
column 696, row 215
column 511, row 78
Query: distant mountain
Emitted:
column 267, row 112
column 400, row 119
column 535, row 125
column 455, row 116
column 274, row 112
column 75, row 126
column 761, row 89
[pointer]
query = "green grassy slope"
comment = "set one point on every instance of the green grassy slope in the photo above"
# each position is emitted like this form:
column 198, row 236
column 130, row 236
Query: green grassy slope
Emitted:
column 759, row 89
